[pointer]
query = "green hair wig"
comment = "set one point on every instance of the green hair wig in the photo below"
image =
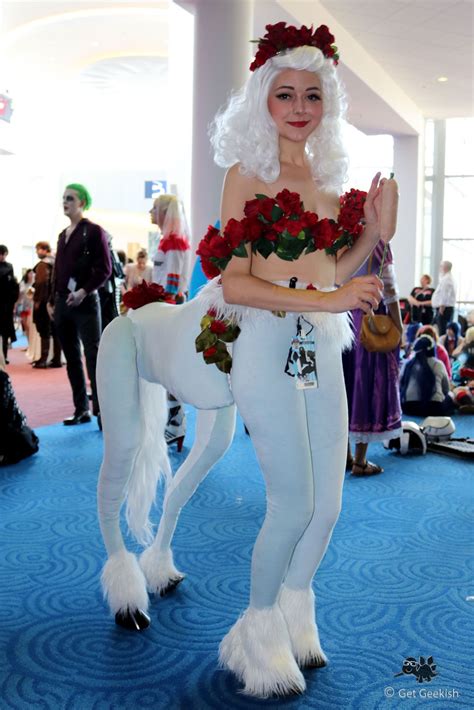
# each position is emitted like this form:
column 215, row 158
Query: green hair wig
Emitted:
column 83, row 193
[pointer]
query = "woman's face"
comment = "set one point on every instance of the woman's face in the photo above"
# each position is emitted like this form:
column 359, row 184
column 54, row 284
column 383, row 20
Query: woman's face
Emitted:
column 295, row 103
column 424, row 282
column 450, row 333
column 141, row 262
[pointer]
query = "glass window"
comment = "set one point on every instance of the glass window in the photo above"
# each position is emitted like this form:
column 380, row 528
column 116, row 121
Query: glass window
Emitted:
column 460, row 252
column 458, row 201
column 459, row 146
column 367, row 155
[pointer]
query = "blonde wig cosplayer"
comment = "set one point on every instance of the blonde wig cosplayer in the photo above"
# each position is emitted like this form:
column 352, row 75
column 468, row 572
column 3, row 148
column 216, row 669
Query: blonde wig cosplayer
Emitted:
column 244, row 132
column 171, row 218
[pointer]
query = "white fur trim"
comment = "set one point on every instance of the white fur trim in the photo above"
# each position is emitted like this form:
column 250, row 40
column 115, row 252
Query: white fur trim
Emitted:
column 151, row 462
column 258, row 650
column 329, row 326
column 298, row 607
column 159, row 569
column 123, row 583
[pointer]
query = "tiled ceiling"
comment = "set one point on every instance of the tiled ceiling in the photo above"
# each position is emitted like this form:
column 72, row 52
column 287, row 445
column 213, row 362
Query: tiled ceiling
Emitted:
column 417, row 41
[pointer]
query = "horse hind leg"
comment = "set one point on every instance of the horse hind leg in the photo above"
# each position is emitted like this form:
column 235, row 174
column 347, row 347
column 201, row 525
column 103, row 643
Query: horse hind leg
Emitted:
column 214, row 433
column 123, row 582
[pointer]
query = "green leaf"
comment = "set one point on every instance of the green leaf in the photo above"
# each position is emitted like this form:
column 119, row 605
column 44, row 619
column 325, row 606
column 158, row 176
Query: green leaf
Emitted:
column 205, row 340
column 310, row 247
column 231, row 335
column 277, row 212
column 284, row 254
column 301, row 235
column 206, row 321
column 259, row 196
column 225, row 365
column 265, row 247
column 240, row 251
column 221, row 263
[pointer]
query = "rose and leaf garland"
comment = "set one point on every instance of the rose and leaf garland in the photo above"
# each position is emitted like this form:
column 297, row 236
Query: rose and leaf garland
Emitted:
column 280, row 226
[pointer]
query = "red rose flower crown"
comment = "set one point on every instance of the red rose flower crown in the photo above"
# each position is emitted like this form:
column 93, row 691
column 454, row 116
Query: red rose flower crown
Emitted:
column 280, row 225
column 280, row 38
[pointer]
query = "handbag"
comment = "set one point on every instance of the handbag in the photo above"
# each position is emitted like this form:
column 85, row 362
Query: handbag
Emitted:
column 378, row 333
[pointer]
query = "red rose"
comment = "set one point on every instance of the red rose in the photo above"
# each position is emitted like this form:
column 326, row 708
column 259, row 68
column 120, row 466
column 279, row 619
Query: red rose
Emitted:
column 252, row 208
column 290, row 202
column 253, row 229
column 281, row 225
column 210, row 351
column 211, row 312
column 234, row 232
column 323, row 37
column 325, row 233
column 265, row 208
column 294, row 226
column 218, row 327
column 310, row 219
column 210, row 270
column 271, row 235
column 144, row 293
column 219, row 247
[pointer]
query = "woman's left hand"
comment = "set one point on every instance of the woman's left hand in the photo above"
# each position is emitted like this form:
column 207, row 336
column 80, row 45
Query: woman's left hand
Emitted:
column 373, row 201
column 381, row 206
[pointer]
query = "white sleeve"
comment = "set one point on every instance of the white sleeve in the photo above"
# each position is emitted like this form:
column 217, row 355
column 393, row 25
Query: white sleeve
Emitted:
column 390, row 286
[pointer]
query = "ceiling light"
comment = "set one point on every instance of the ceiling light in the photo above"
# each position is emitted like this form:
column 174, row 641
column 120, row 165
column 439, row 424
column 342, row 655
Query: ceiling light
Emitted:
column 442, row 79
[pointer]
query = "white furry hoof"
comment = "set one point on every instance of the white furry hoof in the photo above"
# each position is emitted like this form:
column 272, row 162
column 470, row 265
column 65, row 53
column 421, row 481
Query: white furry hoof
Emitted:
column 123, row 583
column 161, row 574
column 258, row 650
column 298, row 607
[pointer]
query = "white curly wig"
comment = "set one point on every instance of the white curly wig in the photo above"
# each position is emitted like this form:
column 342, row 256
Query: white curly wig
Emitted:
column 244, row 132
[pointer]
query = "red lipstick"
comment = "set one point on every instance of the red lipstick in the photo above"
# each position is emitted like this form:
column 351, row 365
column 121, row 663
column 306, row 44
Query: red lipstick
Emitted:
column 298, row 124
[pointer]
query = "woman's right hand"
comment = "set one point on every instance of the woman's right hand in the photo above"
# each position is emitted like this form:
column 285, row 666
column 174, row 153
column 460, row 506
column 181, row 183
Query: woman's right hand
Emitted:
column 364, row 292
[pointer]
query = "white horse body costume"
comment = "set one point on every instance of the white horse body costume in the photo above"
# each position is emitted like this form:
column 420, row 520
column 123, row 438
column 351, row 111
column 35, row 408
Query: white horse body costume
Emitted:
column 300, row 438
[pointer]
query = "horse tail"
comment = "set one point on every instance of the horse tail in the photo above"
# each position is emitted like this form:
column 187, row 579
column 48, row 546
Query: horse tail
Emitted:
column 151, row 462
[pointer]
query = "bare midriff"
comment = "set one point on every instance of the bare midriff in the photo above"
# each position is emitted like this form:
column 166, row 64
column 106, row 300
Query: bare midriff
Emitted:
column 317, row 268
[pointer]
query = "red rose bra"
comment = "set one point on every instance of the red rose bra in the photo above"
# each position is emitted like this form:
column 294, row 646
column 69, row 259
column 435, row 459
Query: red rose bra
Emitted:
column 281, row 226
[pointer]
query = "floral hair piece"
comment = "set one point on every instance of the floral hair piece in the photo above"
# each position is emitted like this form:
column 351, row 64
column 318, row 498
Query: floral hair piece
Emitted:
column 280, row 38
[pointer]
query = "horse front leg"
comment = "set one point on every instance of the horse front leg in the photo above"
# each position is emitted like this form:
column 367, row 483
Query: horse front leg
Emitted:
column 214, row 433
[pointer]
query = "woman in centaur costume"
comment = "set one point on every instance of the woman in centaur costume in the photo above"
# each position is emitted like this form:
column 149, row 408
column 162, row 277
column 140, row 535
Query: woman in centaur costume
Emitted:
column 282, row 285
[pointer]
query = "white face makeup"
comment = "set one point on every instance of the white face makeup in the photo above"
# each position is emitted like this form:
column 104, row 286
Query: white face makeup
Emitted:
column 295, row 103
column 72, row 205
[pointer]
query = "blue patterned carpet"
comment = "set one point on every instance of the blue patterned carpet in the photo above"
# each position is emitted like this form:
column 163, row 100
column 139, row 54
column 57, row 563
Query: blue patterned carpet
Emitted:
column 393, row 584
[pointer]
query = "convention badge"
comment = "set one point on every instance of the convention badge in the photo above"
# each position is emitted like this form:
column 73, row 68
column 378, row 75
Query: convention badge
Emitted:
column 301, row 360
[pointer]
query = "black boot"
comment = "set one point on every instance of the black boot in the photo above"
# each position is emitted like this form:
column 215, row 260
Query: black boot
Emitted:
column 42, row 363
column 56, row 361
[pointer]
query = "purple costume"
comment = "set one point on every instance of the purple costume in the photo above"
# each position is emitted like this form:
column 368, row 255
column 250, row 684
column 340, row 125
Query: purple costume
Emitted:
column 372, row 379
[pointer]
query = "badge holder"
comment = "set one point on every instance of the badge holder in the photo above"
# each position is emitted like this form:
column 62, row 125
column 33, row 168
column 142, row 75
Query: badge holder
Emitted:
column 301, row 360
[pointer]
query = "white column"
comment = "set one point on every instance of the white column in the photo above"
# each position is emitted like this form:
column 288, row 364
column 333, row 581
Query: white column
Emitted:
column 408, row 168
column 437, row 206
column 222, row 55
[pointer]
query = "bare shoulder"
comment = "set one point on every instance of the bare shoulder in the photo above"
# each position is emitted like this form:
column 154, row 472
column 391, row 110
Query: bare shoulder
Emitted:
column 241, row 184
column 237, row 190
